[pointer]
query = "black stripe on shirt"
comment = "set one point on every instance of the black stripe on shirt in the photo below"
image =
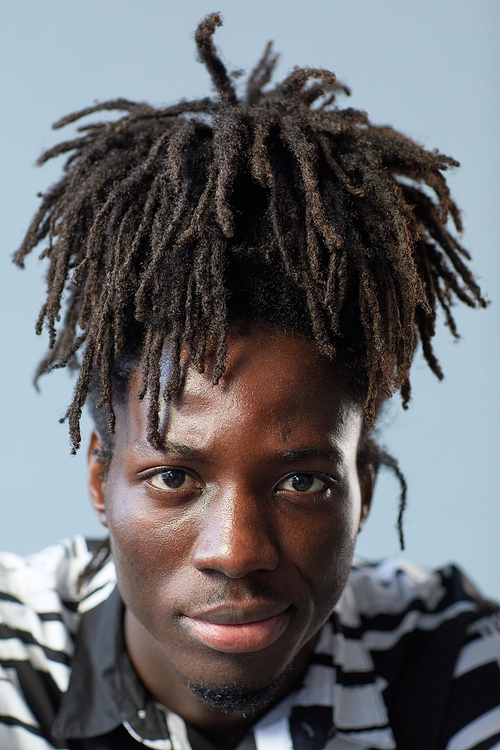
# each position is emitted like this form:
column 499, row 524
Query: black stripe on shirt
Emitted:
column 352, row 678
column 356, row 679
column 389, row 623
column 11, row 721
column 9, row 598
column 483, row 685
column 487, row 744
column 325, row 660
column 72, row 604
column 46, row 616
column 359, row 730
column 28, row 639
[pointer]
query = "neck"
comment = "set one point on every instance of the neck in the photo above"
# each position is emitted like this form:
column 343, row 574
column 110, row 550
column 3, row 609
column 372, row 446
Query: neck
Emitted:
column 224, row 729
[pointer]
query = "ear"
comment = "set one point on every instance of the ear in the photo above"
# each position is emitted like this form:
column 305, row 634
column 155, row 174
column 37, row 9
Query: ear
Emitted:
column 97, row 477
column 368, row 475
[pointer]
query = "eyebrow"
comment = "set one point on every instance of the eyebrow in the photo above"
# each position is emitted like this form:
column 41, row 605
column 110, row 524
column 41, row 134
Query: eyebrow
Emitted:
column 304, row 452
column 176, row 449
column 291, row 455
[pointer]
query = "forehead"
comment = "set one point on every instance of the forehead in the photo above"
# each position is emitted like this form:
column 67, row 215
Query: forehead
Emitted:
column 274, row 380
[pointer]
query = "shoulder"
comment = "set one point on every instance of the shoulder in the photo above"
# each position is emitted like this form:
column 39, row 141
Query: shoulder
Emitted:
column 42, row 589
column 436, row 642
column 48, row 582
column 40, row 608
column 410, row 618
column 54, row 569
column 396, row 587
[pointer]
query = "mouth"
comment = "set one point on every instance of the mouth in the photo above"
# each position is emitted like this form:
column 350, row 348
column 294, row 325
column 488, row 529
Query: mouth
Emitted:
column 236, row 632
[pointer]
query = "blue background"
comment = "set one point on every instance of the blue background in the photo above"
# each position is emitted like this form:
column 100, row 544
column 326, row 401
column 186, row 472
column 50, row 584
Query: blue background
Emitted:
column 430, row 69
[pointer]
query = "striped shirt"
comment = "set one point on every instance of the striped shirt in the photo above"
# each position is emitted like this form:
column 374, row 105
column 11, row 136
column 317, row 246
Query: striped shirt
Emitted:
column 408, row 660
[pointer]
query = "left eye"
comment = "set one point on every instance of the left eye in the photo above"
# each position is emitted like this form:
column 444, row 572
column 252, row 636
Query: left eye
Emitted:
column 171, row 479
column 303, row 483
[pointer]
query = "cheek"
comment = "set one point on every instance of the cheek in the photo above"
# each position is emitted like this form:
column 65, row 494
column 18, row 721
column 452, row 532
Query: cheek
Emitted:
column 149, row 546
column 327, row 548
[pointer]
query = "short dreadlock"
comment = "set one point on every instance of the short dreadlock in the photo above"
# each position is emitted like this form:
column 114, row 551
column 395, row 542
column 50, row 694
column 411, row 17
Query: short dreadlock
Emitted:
column 278, row 207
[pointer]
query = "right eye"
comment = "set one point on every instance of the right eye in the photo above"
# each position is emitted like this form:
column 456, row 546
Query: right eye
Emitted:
column 171, row 479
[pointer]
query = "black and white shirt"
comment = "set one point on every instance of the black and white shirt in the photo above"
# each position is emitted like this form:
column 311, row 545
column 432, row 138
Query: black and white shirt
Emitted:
column 408, row 660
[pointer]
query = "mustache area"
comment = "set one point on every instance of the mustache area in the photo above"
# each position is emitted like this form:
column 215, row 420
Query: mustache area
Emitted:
column 234, row 593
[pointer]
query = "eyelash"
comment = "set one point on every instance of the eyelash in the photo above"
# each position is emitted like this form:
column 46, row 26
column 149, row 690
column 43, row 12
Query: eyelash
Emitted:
column 327, row 481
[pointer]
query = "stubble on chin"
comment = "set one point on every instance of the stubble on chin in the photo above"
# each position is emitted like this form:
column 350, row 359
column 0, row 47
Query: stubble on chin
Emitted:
column 237, row 699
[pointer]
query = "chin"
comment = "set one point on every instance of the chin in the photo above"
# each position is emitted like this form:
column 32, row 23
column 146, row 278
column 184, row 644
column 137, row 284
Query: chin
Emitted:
column 234, row 698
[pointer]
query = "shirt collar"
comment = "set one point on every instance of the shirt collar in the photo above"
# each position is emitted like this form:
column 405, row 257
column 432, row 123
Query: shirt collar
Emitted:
column 104, row 690
column 341, row 694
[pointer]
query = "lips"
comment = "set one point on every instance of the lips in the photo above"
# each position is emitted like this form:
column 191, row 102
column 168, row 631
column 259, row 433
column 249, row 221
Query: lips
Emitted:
column 236, row 632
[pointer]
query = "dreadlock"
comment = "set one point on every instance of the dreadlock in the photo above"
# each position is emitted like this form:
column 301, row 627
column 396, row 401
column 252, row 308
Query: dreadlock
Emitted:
column 278, row 207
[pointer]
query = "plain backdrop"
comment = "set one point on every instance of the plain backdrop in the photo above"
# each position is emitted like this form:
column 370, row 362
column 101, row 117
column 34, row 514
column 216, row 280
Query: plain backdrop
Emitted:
column 431, row 69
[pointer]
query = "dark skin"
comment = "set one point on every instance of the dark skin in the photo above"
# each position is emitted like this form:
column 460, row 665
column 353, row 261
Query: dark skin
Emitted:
column 233, row 543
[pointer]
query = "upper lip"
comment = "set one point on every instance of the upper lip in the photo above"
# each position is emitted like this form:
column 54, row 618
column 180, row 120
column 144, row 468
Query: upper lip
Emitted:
column 239, row 615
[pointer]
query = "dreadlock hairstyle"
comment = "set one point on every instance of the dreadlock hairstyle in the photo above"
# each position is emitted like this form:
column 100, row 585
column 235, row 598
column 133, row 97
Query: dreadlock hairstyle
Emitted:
column 278, row 207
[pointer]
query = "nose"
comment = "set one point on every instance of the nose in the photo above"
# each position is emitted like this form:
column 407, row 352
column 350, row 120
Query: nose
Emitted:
column 236, row 535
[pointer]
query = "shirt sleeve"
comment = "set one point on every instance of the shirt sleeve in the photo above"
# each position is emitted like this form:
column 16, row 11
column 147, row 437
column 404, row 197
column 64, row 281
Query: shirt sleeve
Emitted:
column 472, row 718
column 35, row 642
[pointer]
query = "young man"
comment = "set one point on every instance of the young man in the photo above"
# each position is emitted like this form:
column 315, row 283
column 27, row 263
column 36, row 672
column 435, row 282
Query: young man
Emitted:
column 246, row 283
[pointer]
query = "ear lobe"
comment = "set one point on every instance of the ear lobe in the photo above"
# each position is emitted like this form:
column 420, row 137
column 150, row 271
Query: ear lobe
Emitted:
column 368, row 475
column 96, row 477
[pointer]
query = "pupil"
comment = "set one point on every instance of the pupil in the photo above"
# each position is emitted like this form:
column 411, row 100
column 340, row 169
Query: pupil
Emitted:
column 173, row 478
column 302, row 482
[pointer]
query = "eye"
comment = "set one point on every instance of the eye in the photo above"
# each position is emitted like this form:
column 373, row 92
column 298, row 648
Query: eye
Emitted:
column 171, row 479
column 303, row 483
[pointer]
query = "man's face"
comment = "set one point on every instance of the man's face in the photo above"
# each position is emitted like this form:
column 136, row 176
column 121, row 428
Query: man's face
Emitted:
column 232, row 544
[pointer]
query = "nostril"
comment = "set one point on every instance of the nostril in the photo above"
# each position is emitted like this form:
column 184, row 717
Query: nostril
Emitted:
column 236, row 560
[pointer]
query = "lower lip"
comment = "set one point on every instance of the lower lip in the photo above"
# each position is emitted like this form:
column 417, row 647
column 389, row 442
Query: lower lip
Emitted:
column 241, row 638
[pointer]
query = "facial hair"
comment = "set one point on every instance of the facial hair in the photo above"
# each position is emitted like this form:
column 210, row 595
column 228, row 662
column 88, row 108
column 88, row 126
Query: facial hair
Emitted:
column 238, row 699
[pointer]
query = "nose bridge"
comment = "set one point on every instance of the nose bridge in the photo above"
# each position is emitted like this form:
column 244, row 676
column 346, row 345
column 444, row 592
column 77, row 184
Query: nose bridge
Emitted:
column 236, row 533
